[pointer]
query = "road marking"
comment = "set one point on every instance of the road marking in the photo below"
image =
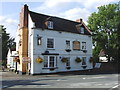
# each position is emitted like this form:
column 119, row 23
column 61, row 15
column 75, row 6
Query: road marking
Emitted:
column 45, row 85
column 97, row 77
column 114, row 86
column 61, row 80
column 84, row 78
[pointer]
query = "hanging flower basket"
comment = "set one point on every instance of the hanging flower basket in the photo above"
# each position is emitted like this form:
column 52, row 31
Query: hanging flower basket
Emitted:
column 16, row 59
column 39, row 60
column 78, row 60
column 91, row 59
column 64, row 60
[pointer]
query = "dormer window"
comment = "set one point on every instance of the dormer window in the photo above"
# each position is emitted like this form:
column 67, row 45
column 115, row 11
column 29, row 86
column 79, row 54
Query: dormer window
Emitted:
column 50, row 25
column 82, row 30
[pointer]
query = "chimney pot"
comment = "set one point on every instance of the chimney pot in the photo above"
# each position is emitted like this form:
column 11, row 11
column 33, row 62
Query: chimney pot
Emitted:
column 79, row 20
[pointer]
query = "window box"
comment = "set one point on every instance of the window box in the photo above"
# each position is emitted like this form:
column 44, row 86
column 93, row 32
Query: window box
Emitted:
column 84, row 51
column 68, row 67
column 50, row 68
column 84, row 66
column 67, row 50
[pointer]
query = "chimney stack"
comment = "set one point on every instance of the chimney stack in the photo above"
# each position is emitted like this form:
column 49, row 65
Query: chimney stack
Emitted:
column 24, row 16
column 79, row 20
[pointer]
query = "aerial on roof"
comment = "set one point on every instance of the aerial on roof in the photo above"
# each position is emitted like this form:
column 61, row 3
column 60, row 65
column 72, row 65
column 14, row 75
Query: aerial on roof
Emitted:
column 59, row 24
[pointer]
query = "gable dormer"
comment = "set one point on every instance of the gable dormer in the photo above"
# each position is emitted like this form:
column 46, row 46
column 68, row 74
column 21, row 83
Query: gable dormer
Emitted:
column 82, row 28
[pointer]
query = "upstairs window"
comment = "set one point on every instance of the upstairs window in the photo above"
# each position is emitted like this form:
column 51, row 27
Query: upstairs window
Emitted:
column 39, row 39
column 82, row 30
column 76, row 45
column 50, row 25
column 67, row 44
column 50, row 43
column 83, row 45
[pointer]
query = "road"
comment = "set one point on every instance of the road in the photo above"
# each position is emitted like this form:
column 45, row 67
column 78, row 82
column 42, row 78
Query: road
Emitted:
column 12, row 80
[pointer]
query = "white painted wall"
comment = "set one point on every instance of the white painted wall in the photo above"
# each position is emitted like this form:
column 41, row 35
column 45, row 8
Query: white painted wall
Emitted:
column 10, row 63
column 60, row 46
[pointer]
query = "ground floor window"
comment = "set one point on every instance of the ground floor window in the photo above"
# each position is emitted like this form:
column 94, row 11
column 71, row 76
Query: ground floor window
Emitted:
column 50, row 61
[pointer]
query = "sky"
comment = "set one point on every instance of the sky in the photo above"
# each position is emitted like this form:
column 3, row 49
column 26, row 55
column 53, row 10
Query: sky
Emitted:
column 68, row 9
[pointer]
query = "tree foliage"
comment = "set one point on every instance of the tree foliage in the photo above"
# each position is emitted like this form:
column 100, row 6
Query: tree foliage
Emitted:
column 7, row 42
column 105, row 25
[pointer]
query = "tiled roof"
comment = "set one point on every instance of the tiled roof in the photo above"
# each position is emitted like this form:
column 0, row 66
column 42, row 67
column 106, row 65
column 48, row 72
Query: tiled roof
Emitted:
column 59, row 24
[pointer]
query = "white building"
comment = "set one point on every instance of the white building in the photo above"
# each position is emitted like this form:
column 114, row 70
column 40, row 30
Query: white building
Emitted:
column 51, row 39
column 48, row 44
column 11, row 65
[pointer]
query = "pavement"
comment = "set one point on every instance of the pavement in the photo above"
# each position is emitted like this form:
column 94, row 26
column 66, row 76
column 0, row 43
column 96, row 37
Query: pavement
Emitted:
column 78, row 79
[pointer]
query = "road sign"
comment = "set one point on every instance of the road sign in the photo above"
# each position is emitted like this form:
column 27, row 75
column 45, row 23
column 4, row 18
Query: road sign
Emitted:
column 26, row 59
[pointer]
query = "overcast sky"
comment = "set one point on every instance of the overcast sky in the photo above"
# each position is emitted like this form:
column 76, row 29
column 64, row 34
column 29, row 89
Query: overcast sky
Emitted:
column 68, row 9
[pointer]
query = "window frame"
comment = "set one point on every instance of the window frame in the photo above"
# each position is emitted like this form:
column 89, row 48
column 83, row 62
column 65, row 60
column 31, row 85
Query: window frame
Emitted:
column 53, row 47
column 67, row 44
column 82, row 30
column 50, row 25
column 39, row 38
column 83, row 46
column 48, row 61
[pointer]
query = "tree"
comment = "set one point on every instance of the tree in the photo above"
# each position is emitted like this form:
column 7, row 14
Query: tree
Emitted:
column 7, row 42
column 105, row 25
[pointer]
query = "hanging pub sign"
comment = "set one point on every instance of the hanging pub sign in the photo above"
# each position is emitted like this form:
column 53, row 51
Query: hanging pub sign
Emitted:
column 26, row 59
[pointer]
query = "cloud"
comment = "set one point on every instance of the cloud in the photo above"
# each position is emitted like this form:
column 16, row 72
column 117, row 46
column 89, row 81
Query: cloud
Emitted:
column 76, row 13
column 89, row 4
column 70, row 9
column 10, row 25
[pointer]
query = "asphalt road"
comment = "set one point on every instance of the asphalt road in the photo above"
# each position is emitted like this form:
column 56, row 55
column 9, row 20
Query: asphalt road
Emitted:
column 12, row 80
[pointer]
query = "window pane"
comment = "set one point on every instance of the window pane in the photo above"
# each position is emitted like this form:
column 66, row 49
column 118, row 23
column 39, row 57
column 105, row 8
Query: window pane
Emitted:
column 39, row 41
column 84, row 45
column 67, row 44
column 45, row 61
column 50, row 43
column 50, row 24
column 51, row 62
column 82, row 30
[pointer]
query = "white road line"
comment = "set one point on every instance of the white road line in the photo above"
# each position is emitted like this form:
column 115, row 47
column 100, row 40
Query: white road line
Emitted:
column 83, row 78
column 114, row 86
column 61, row 80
